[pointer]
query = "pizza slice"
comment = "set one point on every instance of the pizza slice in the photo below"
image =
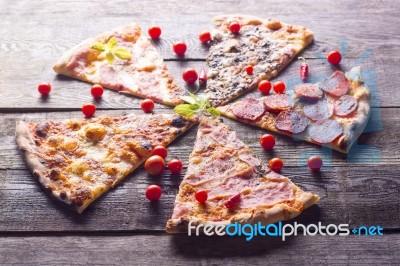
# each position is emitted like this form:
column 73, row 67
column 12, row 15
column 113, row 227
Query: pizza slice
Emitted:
column 331, row 113
column 78, row 160
column 124, row 60
column 239, row 186
column 264, row 44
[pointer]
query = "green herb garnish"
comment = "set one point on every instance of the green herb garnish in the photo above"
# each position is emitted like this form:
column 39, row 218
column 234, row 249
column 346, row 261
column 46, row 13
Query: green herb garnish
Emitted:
column 111, row 49
column 195, row 104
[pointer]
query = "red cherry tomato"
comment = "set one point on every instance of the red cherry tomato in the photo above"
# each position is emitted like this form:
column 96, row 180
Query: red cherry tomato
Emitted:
column 276, row 164
column 154, row 165
column 201, row 196
column 155, row 32
column 175, row 166
column 232, row 202
column 264, row 87
column 160, row 151
column 249, row 70
column 234, row 28
column 179, row 48
column 189, row 75
column 205, row 37
column 279, row 87
column 267, row 141
column 44, row 88
column 314, row 163
column 147, row 105
column 334, row 57
column 153, row 192
column 97, row 91
column 88, row 109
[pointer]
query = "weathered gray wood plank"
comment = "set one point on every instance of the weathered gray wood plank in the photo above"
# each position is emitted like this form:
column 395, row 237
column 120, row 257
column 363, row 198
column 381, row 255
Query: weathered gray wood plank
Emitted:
column 184, row 250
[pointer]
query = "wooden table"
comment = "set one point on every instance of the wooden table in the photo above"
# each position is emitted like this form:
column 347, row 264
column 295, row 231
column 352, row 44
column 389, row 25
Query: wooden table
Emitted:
column 123, row 227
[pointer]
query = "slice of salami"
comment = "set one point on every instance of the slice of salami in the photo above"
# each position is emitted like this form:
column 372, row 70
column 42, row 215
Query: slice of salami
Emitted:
column 249, row 109
column 336, row 85
column 325, row 131
column 319, row 110
column 291, row 121
column 345, row 106
column 309, row 92
column 277, row 102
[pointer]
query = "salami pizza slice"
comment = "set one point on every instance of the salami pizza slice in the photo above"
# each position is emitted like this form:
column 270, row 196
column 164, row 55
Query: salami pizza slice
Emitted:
column 331, row 113
column 78, row 160
column 124, row 60
column 264, row 44
column 239, row 186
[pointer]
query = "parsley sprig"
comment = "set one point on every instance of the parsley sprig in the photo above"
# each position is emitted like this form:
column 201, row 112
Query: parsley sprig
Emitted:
column 111, row 49
column 195, row 104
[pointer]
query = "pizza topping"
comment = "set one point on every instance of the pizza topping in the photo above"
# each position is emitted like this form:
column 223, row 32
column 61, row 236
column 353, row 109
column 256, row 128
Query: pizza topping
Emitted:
column 175, row 166
column 233, row 201
column 88, row 109
column 264, row 87
column 336, row 85
column 44, row 88
column 111, row 50
column 268, row 194
column 154, row 165
column 205, row 37
column 234, row 28
column 309, row 92
column 334, row 57
column 95, row 131
column 279, row 87
column 147, row 105
column 319, row 110
column 202, row 77
column 267, row 141
column 201, row 196
column 325, row 131
column 345, row 106
column 189, row 75
column 249, row 70
column 178, row 121
column 303, row 69
column 225, row 137
column 97, row 91
column 179, row 48
column 277, row 102
column 249, row 109
column 314, row 163
column 155, row 32
column 276, row 164
column 291, row 121
column 153, row 192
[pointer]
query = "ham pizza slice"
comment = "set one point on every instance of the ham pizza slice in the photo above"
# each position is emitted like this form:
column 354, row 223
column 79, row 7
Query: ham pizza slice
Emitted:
column 123, row 60
column 238, row 186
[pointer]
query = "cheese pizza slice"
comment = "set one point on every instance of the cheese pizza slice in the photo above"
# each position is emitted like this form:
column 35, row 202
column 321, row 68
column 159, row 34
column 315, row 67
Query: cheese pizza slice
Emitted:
column 240, row 188
column 124, row 60
column 332, row 113
column 238, row 61
column 78, row 160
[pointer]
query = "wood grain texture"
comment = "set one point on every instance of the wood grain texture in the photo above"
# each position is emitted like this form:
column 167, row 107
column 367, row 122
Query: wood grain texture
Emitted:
column 183, row 250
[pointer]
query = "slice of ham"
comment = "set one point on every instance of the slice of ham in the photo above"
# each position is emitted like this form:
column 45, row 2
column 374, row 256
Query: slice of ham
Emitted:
column 336, row 85
column 249, row 109
column 291, row 121
column 277, row 102
column 309, row 92
column 268, row 194
column 345, row 106
column 319, row 110
column 325, row 131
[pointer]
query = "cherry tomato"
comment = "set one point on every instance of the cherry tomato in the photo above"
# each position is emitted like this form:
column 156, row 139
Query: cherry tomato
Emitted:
column 97, row 91
column 160, row 151
column 232, row 202
column 179, row 48
column 334, row 57
column 279, row 87
column 189, row 75
column 44, row 88
column 264, row 87
column 155, row 32
column 201, row 196
column 314, row 163
column 175, row 166
column 205, row 37
column 147, row 105
column 153, row 192
column 276, row 164
column 249, row 70
column 154, row 165
column 88, row 109
column 234, row 28
column 267, row 141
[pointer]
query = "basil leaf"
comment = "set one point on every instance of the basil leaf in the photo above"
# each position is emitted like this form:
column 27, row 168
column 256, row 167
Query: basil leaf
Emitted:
column 112, row 43
column 213, row 111
column 110, row 57
column 98, row 46
column 189, row 99
column 123, row 54
column 184, row 110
